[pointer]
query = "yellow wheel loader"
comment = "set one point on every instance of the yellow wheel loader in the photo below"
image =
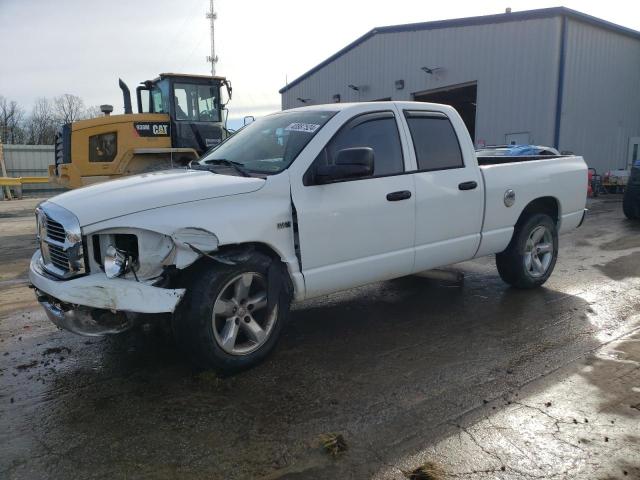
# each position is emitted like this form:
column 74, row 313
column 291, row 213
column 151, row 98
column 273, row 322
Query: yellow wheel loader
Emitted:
column 179, row 117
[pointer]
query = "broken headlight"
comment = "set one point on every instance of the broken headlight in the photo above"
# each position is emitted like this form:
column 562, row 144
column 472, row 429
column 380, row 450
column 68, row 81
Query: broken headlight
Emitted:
column 144, row 251
column 116, row 253
column 116, row 262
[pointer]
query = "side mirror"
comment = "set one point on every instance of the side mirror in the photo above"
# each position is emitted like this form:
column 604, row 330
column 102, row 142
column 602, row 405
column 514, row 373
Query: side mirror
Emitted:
column 350, row 163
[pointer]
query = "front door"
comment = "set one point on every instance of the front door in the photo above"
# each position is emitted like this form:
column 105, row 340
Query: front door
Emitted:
column 352, row 232
column 196, row 121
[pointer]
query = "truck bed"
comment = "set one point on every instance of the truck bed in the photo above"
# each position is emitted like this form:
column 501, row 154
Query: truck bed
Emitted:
column 562, row 179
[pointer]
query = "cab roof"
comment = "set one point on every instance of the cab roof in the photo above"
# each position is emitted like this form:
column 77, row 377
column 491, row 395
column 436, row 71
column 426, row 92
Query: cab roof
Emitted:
column 339, row 106
column 187, row 75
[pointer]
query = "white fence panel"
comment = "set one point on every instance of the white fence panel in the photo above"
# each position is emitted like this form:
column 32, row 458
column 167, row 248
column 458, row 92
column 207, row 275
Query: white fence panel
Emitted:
column 30, row 161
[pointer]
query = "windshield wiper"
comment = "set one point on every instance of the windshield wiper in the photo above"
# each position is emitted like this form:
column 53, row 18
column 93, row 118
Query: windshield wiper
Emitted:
column 237, row 166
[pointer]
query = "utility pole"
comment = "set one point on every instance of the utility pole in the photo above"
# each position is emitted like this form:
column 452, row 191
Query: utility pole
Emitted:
column 213, row 59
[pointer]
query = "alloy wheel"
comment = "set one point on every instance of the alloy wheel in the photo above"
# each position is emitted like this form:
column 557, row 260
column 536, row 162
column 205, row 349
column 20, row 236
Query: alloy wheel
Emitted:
column 240, row 319
column 538, row 252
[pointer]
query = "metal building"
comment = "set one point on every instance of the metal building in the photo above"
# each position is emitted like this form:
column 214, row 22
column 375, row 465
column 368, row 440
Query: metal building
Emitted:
column 554, row 77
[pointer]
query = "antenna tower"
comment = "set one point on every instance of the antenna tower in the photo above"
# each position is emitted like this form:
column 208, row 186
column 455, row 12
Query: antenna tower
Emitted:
column 213, row 58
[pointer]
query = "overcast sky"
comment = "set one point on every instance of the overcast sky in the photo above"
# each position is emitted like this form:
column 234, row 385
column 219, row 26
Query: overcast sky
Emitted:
column 50, row 47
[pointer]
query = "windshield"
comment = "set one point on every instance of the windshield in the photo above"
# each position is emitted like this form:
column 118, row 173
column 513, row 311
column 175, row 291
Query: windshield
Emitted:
column 271, row 143
column 198, row 103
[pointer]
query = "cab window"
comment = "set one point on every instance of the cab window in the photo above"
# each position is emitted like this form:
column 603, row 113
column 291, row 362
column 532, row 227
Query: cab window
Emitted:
column 156, row 100
column 379, row 131
column 159, row 97
column 434, row 140
column 196, row 103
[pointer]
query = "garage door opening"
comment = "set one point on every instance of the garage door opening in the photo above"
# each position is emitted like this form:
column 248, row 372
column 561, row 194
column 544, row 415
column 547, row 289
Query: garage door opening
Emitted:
column 461, row 97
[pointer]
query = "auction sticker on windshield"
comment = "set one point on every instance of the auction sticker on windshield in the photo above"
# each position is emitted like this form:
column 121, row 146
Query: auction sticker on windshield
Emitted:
column 302, row 127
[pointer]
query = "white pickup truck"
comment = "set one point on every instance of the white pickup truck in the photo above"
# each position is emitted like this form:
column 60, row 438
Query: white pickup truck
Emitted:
column 298, row 204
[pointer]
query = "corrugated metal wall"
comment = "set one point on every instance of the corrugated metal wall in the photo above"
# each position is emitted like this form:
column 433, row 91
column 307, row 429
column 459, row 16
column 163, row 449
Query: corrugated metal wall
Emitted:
column 601, row 99
column 515, row 65
column 29, row 161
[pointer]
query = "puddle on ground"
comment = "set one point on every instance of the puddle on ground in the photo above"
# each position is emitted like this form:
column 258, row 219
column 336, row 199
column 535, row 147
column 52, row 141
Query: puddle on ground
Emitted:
column 622, row 267
column 623, row 243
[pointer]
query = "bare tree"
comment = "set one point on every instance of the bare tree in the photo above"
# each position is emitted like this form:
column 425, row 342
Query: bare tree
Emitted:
column 92, row 112
column 68, row 108
column 41, row 126
column 46, row 117
column 11, row 116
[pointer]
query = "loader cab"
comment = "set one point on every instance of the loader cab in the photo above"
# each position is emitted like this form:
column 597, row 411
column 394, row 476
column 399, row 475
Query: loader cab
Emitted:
column 195, row 106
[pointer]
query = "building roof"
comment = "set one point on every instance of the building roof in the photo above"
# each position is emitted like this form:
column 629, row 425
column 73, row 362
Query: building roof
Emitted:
column 471, row 21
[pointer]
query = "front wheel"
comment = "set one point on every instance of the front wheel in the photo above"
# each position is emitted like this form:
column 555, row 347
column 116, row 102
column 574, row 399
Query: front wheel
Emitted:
column 226, row 321
column 531, row 255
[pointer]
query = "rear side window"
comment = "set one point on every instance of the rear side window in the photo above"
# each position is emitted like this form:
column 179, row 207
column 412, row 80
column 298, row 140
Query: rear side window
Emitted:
column 435, row 141
column 378, row 131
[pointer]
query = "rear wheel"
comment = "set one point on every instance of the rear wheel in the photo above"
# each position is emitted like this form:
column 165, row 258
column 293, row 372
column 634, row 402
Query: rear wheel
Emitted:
column 531, row 256
column 225, row 321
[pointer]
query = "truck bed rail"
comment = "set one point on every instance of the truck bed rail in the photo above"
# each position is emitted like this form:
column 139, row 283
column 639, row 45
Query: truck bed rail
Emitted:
column 499, row 159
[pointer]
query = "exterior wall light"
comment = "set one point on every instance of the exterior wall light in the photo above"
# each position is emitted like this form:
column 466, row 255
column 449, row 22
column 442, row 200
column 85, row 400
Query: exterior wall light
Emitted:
column 431, row 70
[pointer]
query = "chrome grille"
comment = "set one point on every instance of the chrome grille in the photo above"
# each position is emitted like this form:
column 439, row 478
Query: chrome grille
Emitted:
column 60, row 241
column 59, row 258
column 55, row 231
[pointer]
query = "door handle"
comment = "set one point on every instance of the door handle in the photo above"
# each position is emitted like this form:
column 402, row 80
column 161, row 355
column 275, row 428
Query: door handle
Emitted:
column 467, row 185
column 401, row 195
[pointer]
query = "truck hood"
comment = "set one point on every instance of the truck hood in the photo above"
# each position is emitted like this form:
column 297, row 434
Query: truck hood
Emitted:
column 104, row 201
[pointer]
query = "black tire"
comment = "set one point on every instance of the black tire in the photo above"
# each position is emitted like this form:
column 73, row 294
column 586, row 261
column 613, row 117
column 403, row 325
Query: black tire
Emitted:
column 194, row 322
column 511, row 262
column 630, row 206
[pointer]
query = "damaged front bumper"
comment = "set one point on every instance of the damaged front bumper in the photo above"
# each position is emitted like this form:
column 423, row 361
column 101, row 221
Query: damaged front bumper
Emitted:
column 96, row 305
column 90, row 322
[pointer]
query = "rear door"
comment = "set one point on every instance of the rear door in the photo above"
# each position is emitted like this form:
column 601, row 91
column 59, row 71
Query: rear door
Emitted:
column 449, row 190
column 354, row 232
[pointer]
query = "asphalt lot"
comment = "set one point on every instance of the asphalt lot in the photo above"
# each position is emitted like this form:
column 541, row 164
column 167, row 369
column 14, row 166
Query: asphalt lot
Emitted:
column 478, row 379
